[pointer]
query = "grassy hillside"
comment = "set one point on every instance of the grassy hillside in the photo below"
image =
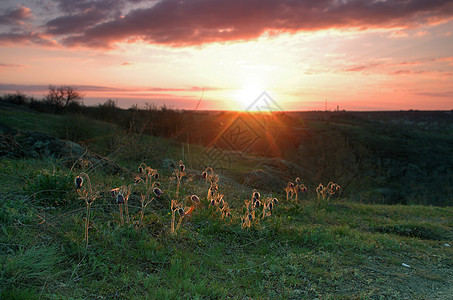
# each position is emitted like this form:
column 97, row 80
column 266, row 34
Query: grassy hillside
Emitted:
column 314, row 247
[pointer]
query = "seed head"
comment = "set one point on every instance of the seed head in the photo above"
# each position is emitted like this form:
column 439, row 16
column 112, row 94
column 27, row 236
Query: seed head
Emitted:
column 78, row 182
column 256, row 195
column 271, row 206
column 182, row 167
column 157, row 192
column 140, row 170
column 257, row 203
column 156, row 176
column 181, row 212
column 250, row 217
column 291, row 185
column 120, row 198
column 297, row 180
column 204, row 175
column 212, row 202
column 195, row 198
column 275, row 200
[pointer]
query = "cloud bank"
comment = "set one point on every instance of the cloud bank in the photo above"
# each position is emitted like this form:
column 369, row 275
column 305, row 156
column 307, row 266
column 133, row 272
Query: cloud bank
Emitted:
column 196, row 22
column 102, row 23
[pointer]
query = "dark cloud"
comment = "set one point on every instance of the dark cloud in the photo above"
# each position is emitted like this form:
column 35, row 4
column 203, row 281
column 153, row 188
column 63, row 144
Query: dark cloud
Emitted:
column 180, row 23
column 15, row 16
column 25, row 38
column 78, row 16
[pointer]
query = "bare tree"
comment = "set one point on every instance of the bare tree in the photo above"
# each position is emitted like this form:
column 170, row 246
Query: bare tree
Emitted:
column 63, row 96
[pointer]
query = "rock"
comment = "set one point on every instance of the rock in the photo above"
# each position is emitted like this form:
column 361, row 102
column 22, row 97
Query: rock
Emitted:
column 17, row 144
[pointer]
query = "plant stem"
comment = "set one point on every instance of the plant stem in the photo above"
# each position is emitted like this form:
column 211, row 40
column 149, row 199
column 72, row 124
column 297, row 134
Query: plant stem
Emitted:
column 87, row 223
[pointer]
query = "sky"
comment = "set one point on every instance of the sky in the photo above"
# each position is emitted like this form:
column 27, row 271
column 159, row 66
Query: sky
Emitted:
column 307, row 55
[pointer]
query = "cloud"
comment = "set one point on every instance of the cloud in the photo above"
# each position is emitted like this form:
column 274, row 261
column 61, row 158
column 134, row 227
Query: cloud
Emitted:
column 444, row 94
column 183, row 23
column 15, row 16
column 26, row 38
column 84, row 14
column 98, row 88
column 5, row 65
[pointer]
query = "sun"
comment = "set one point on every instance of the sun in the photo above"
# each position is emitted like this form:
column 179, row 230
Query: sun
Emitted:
column 244, row 97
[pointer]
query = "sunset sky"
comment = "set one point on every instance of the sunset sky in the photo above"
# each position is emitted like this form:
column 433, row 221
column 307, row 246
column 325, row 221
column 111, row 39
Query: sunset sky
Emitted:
column 354, row 54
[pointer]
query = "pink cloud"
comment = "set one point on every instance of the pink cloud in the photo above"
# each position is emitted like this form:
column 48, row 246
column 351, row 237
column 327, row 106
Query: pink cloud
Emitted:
column 182, row 23
column 35, row 38
column 15, row 16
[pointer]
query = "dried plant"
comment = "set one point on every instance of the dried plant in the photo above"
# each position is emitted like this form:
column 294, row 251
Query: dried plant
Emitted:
column 119, row 198
column 294, row 189
column 179, row 173
column 148, row 177
column 269, row 206
column 182, row 211
column 213, row 180
column 86, row 193
column 289, row 189
column 324, row 193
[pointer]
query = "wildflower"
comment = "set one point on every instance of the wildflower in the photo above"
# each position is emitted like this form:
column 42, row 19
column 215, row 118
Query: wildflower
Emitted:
column 78, row 182
column 157, row 192
column 291, row 185
column 256, row 195
column 275, row 200
column 120, row 198
column 182, row 167
column 297, row 180
column 156, row 176
column 204, row 175
column 181, row 212
column 140, row 170
column 195, row 199
column 271, row 206
column 257, row 203
column 213, row 202
column 250, row 217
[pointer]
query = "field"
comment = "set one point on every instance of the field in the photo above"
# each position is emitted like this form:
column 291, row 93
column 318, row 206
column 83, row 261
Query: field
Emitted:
column 385, row 233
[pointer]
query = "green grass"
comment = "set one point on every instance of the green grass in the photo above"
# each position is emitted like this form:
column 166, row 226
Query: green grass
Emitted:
column 346, row 250
column 342, row 250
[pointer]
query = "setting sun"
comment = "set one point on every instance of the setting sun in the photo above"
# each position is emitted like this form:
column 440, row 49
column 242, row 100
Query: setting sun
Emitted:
column 243, row 98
